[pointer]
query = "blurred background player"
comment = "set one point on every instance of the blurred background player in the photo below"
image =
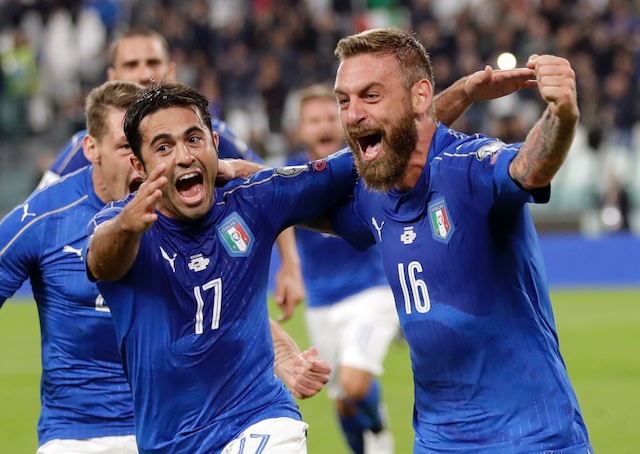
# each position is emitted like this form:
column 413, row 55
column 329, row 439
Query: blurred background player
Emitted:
column 142, row 56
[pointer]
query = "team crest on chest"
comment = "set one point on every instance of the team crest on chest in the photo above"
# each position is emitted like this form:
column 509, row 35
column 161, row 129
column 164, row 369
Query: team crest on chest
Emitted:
column 236, row 236
column 441, row 226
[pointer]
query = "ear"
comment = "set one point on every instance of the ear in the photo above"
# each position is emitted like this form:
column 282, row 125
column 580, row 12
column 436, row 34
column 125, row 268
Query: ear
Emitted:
column 216, row 140
column 138, row 167
column 90, row 149
column 111, row 73
column 421, row 96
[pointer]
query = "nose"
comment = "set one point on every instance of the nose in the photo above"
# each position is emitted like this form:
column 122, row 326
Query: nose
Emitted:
column 145, row 75
column 355, row 114
column 183, row 155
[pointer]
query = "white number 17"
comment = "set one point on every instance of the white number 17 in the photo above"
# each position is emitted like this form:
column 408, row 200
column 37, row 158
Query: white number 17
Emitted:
column 216, row 285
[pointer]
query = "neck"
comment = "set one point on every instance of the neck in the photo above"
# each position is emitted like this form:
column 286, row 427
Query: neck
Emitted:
column 419, row 157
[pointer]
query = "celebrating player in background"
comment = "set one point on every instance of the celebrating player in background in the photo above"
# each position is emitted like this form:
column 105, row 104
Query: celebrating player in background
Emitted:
column 448, row 213
column 195, row 338
column 86, row 401
column 143, row 56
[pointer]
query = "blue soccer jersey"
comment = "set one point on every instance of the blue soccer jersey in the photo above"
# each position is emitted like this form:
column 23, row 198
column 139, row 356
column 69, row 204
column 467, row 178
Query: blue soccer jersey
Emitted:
column 462, row 256
column 332, row 269
column 72, row 157
column 191, row 314
column 84, row 392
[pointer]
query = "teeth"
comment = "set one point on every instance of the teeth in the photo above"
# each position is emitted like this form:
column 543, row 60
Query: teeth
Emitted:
column 187, row 176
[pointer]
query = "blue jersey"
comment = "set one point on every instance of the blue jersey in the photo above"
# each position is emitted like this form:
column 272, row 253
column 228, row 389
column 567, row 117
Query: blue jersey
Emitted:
column 191, row 314
column 332, row 269
column 462, row 256
column 84, row 392
column 72, row 157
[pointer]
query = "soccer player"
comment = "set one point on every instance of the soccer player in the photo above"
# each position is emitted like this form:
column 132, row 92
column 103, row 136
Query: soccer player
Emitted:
column 184, row 265
column 86, row 401
column 449, row 216
column 142, row 56
column 351, row 314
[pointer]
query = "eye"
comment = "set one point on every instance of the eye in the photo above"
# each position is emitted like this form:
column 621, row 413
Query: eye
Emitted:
column 343, row 101
column 195, row 139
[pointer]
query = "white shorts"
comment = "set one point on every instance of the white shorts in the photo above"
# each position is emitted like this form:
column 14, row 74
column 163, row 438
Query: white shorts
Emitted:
column 271, row 436
column 354, row 332
column 103, row 445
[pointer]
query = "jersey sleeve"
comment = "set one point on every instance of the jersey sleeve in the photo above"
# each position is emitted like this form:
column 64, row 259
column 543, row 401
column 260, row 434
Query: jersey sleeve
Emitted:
column 71, row 158
column 484, row 177
column 293, row 194
column 348, row 223
column 19, row 251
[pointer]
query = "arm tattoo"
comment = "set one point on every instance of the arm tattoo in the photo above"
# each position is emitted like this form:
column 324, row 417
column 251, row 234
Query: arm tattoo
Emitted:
column 283, row 352
column 543, row 152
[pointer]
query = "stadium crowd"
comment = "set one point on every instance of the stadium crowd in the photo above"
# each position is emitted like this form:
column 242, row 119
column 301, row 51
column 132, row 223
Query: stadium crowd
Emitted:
column 250, row 58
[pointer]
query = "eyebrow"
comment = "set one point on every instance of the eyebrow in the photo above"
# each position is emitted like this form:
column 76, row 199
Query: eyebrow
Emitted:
column 165, row 136
column 364, row 89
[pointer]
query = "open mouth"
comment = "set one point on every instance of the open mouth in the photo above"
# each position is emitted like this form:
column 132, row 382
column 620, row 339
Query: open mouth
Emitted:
column 190, row 186
column 370, row 146
column 135, row 185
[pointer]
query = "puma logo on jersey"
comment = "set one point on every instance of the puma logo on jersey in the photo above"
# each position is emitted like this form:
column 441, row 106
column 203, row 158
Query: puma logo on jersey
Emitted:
column 377, row 227
column 73, row 250
column 408, row 235
column 25, row 212
column 171, row 260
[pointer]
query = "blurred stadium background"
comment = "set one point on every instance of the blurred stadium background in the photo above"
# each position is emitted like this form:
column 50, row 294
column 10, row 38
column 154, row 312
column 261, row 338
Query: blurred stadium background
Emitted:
column 250, row 57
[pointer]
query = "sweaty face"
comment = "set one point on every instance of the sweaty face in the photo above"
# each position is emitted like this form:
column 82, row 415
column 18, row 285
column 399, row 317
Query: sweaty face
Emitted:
column 141, row 59
column 114, row 177
column 320, row 127
column 377, row 118
column 178, row 137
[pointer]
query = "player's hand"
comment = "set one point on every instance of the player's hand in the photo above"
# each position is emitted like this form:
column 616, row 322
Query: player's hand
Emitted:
column 310, row 374
column 490, row 84
column 139, row 214
column 557, row 85
column 228, row 169
column 289, row 290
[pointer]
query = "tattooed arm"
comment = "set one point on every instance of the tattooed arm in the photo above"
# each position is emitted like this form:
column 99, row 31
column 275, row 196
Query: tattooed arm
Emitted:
column 548, row 142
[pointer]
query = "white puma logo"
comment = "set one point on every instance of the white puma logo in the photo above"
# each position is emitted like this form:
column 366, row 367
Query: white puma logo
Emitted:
column 169, row 259
column 378, row 228
column 25, row 212
column 73, row 250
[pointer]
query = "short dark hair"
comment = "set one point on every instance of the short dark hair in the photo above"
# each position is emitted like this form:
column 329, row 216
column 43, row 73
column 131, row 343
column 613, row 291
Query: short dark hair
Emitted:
column 163, row 95
column 410, row 54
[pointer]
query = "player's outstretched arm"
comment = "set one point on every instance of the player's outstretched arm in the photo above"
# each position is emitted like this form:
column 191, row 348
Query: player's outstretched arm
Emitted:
column 114, row 244
column 548, row 142
column 480, row 86
column 304, row 373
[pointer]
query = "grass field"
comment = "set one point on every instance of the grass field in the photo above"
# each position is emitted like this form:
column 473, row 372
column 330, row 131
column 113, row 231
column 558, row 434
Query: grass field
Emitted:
column 599, row 337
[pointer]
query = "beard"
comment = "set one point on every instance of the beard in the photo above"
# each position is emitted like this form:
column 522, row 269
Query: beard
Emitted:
column 383, row 173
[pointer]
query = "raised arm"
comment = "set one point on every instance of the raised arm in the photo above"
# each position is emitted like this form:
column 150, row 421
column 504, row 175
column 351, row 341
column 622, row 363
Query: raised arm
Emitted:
column 114, row 244
column 304, row 373
column 548, row 142
column 480, row 86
